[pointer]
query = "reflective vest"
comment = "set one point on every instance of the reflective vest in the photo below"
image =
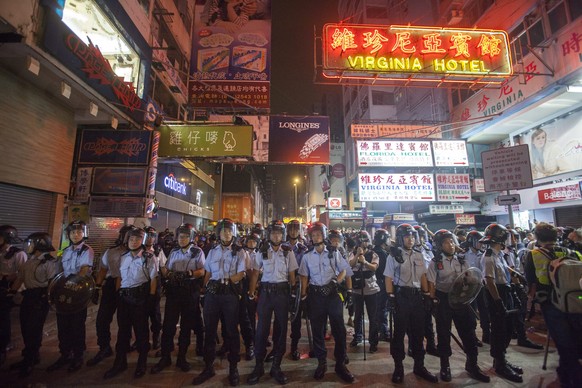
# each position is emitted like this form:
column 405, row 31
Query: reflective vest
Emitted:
column 541, row 259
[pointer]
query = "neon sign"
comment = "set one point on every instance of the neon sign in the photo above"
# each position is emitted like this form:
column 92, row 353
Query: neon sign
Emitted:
column 419, row 53
column 171, row 183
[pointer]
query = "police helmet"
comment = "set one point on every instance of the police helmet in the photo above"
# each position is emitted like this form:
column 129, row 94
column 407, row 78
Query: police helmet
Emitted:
column 135, row 231
column 77, row 225
column 9, row 234
column 495, row 233
column 122, row 232
column 39, row 241
column 258, row 229
column 188, row 229
column 294, row 225
column 421, row 234
column 279, row 226
column 318, row 226
column 334, row 233
column 253, row 237
column 440, row 236
column 381, row 236
column 473, row 238
column 151, row 232
column 363, row 237
column 226, row 223
column 402, row 231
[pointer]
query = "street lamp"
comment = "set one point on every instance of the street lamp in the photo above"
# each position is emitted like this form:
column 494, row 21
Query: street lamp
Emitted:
column 295, row 187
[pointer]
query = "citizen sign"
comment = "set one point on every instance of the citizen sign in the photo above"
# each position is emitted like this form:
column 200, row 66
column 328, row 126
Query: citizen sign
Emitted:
column 298, row 126
column 171, row 183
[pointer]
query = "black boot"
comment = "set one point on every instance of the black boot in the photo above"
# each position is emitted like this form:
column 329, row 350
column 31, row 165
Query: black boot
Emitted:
column 526, row 343
column 321, row 369
column 250, row 353
column 445, row 369
column 270, row 356
column 515, row 368
column 343, row 372
column 276, row 371
column 503, row 370
column 119, row 365
column 257, row 373
column 164, row 362
column 421, row 371
column 206, row 374
column 473, row 369
column 295, row 355
column 61, row 362
column 181, row 360
column 100, row 356
column 155, row 341
column 141, row 367
column 233, row 376
column 398, row 374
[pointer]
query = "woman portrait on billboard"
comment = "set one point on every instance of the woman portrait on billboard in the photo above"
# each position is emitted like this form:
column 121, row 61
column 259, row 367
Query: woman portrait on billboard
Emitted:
column 543, row 155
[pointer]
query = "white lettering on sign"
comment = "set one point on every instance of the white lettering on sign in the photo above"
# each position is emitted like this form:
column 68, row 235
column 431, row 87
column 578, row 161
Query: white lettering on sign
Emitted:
column 171, row 183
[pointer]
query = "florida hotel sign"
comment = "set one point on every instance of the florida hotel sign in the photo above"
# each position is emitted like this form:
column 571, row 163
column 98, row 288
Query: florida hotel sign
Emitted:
column 419, row 53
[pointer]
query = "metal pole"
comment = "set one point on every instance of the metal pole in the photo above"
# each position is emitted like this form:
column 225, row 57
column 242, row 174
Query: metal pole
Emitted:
column 510, row 211
column 295, row 208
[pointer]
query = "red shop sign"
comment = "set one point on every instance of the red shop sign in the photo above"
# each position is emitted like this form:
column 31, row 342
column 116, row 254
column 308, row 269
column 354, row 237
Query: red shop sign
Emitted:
column 560, row 194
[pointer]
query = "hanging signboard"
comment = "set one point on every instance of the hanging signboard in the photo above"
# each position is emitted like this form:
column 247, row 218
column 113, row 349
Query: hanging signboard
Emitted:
column 112, row 147
column 465, row 219
column 299, row 139
column 507, row 168
column 393, row 130
column 453, row 187
column 450, row 153
column 119, row 180
column 569, row 192
column 396, row 187
column 416, row 53
column 393, row 153
column 205, row 140
column 445, row 209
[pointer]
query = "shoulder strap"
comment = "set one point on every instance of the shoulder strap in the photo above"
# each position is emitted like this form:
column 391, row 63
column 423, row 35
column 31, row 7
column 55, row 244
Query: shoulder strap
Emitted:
column 11, row 252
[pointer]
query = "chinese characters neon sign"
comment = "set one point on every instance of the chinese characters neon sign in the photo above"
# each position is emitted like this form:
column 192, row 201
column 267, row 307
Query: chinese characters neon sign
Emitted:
column 420, row 53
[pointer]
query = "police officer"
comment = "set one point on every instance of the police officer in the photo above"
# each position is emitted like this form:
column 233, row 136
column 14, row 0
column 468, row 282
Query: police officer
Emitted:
column 497, row 281
column 35, row 274
column 77, row 259
column 405, row 278
column 563, row 328
column 225, row 268
column 322, row 270
column 154, row 311
column 12, row 258
column 444, row 269
column 364, row 263
column 183, row 273
column 472, row 256
column 381, row 244
column 105, row 284
column 278, row 264
column 136, row 284
column 295, row 238
column 251, row 245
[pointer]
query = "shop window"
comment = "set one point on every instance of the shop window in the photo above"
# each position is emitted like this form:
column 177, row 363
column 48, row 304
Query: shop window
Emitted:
column 575, row 9
column 91, row 25
column 536, row 33
column 380, row 97
column 557, row 15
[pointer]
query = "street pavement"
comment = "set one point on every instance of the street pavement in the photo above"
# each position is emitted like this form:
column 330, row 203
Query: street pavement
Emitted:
column 374, row 371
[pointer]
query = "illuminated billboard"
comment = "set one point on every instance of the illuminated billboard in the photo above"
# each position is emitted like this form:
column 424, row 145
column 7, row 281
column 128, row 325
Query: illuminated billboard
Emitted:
column 396, row 187
column 393, row 153
column 419, row 53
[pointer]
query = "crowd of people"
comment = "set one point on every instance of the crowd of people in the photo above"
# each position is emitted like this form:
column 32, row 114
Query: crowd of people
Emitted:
column 252, row 282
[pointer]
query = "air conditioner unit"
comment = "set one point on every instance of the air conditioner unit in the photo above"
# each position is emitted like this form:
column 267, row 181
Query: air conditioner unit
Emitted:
column 455, row 17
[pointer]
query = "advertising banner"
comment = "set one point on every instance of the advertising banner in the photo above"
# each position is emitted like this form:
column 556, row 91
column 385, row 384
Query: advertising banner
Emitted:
column 393, row 153
column 119, row 180
column 409, row 52
column 261, row 129
column 299, row 139
column 507, row 168
column 453, row 187
column 465, row 219
column 373, row 131
column 231, row 54
column 569, row 192
column 205, row 140
column 450, row 153
column 396, row 187
column 112, row 147
column 237, row 207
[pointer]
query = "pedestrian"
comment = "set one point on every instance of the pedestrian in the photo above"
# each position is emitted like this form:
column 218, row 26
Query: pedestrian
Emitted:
column 444, row 269
column 225, row 267
column 35, row 274
column 278, row 265
column 77, row 259
column 136, row 285
column 322, row 270
column 405, row 278
column 183, row 274
column 105, row 285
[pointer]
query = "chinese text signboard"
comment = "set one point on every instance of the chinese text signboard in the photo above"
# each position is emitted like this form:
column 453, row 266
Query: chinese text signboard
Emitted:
column 394, row 153
column 373, row 131
column 507, row 168
column 401, row 52
column 206, row 141
column 465, row 219
column 453, row 187
column 231, row 54
column 396, row 187
column 450, row 153
column 445, row 209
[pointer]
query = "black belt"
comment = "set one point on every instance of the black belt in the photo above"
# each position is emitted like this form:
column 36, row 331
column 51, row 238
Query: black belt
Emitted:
column 406, row 291
column 282, row 287
column 137, row 291
column 326, row 290
column 220, row 287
